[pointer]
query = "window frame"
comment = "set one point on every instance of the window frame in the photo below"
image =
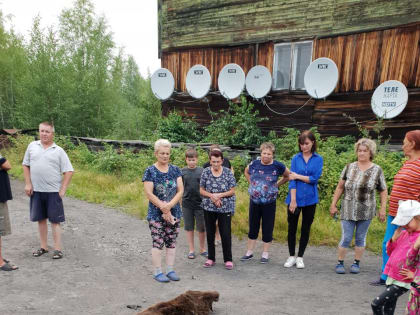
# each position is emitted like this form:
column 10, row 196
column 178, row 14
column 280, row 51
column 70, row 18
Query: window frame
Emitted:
column 292, row 65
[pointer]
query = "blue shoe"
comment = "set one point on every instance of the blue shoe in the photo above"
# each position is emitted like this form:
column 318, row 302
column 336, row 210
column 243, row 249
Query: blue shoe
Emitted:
column 355, row 268
column 161, row 278
column 264, row 260
column 245, row 257
column 340, row 269
column 173, row 276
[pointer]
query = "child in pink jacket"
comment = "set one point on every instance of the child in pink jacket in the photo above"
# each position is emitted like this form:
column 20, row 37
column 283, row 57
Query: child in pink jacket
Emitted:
column 399, row 273
column 413, row 260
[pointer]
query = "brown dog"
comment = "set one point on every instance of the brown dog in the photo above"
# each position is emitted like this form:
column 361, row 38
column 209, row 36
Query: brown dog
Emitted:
column 188, row 303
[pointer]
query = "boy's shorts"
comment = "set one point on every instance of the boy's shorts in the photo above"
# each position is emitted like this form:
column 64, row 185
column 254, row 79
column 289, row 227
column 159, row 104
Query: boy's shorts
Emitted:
column 5, row 228
column 46, row 205
column 189, row 215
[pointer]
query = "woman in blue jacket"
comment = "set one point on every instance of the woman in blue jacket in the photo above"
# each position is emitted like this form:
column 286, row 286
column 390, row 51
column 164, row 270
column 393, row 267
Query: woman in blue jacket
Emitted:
column 306, row 169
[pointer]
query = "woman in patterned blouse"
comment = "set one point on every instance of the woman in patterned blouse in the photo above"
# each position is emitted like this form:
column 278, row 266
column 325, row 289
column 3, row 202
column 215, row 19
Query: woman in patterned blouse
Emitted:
column 358, row 182
column 163, row 187
column 217, row 186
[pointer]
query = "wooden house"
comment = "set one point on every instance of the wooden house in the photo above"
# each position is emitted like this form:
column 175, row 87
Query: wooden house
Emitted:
column 371, row 41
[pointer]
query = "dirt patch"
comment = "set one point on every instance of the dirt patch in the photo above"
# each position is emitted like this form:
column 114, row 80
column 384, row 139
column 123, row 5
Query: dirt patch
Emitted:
column 107, row 266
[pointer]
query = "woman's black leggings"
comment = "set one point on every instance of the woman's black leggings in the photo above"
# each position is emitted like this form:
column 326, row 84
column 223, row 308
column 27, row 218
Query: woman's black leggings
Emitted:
column 308, row 214
column 385, row 303
column 264, row 214
column 224, row 220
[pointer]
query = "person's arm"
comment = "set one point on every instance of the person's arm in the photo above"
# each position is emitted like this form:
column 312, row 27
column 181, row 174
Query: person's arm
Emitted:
column 148, row 189
column 246, row 173
column 337, row 194
column 392, row 243
column 65, row 183
column 384, row 199
column 311, row 179
column 179, row 192
column 6, row 166
column 285, row 177
column 28, row 183
column 293, row 203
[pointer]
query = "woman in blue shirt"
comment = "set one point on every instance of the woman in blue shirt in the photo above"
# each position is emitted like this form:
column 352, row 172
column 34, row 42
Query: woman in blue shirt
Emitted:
column 306, row 169
column 263, row 177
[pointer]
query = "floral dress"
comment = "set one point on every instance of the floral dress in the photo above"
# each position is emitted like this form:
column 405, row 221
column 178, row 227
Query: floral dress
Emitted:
column 413, row 305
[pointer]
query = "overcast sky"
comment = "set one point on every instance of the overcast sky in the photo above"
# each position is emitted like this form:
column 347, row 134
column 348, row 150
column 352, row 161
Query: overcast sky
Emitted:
column 133, row 23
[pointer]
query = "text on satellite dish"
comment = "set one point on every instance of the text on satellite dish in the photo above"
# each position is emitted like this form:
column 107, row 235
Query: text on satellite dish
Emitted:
column 231, row 70
column 323, row 66
column 389, row 104
column 162, row 75
column 199, row 72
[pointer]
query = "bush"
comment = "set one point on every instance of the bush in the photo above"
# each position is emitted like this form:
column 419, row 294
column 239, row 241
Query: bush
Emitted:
column 176, row 128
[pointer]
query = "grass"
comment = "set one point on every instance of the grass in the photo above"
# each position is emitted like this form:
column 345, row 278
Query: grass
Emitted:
column 128, row 196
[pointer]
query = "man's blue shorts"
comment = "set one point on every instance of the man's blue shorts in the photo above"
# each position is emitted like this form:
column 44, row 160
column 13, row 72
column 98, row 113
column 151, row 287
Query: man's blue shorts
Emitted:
column 46, row 205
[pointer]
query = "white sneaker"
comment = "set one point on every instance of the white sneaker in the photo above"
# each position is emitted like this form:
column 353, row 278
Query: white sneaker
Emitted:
column 299, row 263
column 291, row 261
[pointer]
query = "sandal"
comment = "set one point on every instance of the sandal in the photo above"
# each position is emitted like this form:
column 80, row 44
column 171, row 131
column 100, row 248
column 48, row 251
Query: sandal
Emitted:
column 40, row 252
column 191, row 255
column 229, row 265
column 209, row 263
column 161, row 278
column 58, row 254
column 204, row 254
column 8, row 267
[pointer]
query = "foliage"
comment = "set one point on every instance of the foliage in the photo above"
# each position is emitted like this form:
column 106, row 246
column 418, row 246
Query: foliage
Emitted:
column 176, row 128
column 236, row 126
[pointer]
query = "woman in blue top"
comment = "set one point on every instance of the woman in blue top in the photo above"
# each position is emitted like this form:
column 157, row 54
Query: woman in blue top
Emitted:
column 163, row 187
column 306, row 169
column 262, row 175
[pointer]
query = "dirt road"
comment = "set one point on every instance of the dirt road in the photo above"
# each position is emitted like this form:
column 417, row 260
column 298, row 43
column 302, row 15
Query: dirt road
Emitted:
column 107, row 267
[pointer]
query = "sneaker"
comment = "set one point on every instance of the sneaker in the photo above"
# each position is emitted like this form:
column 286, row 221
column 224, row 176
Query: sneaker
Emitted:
column 264, row 260
column 378, row 282
column 340, row 269
column 299, row 263
column 246, row 257
column 173, row 276
column 355, row 268
column 161, row 278
column 291, row 261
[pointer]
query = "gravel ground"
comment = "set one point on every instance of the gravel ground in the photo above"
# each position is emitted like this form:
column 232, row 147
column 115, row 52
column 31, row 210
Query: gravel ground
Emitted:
column 107, row 266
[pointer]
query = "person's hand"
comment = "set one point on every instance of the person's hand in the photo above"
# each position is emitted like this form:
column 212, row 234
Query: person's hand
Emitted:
column 417, row 243
column 292, row 206
column 397, row 234
column 382, row 216
column 61, row 193
column 293, row 176
column 165, row 207
column 29, row 190
column 407, row 273
column 168, row 217
column 215, row 198
column 333, row 210
column 218, row 203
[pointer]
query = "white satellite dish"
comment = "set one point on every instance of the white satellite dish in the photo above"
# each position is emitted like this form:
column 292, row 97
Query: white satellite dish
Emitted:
column 258, row 81
column 321, row 77
column 198, row 81
column 231, row 81
column 389, row 99
column 163, row 83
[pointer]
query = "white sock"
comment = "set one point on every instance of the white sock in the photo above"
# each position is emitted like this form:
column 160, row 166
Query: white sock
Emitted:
column 157, row 271
column 264, row 255
column 248, row 253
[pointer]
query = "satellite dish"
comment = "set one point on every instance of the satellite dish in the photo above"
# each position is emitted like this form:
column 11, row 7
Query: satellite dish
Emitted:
column 163, row 83
column 231, row 81
column 198, row 81
column 389, row 99
column 258, row 81
column 321, row 78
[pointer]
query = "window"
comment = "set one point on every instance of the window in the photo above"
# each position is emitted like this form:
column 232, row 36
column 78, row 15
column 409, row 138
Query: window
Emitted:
column 290, row 63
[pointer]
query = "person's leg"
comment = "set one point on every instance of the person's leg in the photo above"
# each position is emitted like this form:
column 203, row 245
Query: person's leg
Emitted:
column 385, row 303
column 390, row 229
column 43, row 233
column 362, row 228
column 268, row 218
column 202, row 241
column 347, row 230
column 210, row 219
column 254, row 219
column 56, row 232
column 308, row 214
column 170, row 237
column 156, row 231
column 217, row 234
column 5, row 228
column 2, row 262
column 292, row 220
column 200, row 227
column 188, row 214
column 224, row 220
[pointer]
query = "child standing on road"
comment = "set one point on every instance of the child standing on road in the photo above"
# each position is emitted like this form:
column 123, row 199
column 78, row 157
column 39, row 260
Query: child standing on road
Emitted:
column 191, row 203
column 400, row 274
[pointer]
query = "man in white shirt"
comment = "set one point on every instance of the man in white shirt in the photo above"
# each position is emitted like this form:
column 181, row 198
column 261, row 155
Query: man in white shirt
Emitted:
column 43, row 166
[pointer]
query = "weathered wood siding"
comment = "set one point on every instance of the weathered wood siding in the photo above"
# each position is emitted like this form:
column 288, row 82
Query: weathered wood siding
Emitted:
column 199, row 23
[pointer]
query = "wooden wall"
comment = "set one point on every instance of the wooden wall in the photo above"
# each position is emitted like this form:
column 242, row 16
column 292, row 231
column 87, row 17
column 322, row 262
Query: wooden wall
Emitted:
column 210, row 23
column 364, row 60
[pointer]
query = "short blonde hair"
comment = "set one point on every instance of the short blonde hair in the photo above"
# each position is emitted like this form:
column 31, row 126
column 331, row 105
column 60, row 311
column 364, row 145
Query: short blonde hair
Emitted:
column 162, row 143
column 368, row 143
column 268, row 146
